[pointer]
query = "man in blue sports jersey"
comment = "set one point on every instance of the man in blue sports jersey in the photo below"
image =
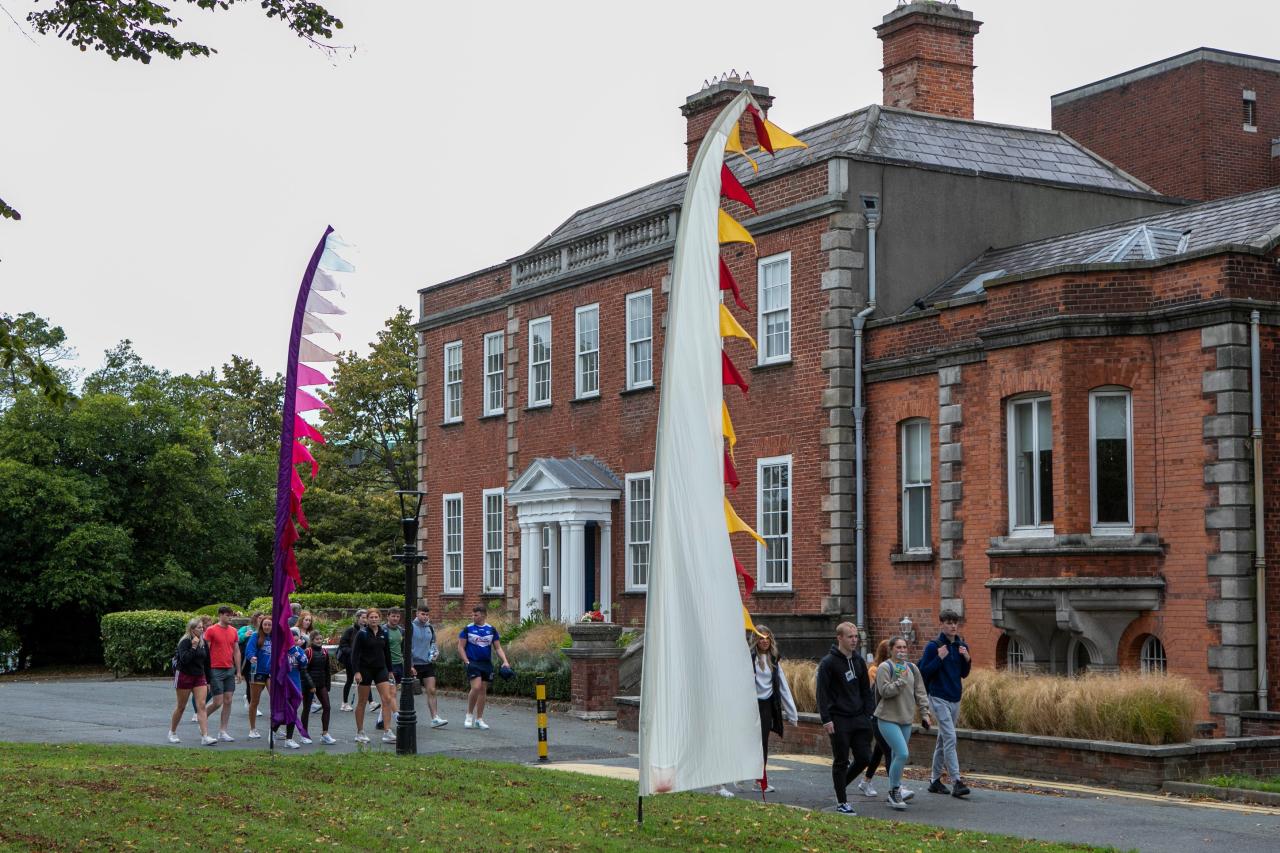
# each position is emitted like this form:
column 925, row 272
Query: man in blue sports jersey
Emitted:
column 476, row 644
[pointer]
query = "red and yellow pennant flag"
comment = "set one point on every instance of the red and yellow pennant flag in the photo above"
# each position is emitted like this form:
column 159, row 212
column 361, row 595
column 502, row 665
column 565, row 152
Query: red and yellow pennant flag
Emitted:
column 731, row 328
column 727, row 282
column 737, row 525
column 731, row 189
column 730, row 230
column 734, row 146
column 729, row 374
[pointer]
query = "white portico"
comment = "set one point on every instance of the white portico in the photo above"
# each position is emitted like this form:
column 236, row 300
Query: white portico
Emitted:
column 565, row 511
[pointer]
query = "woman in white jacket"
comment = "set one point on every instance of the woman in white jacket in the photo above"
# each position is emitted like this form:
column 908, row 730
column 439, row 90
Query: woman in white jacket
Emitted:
column 773, row 694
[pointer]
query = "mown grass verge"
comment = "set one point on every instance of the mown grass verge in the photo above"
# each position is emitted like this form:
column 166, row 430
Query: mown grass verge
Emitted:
column 1271, row 785
column 57, row 797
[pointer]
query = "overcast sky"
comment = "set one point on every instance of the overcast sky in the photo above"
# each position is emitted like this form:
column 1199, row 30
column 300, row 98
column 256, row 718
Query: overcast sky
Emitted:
column 176, row 204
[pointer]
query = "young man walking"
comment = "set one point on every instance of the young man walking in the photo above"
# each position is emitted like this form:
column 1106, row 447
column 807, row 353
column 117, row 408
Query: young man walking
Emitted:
column 944, row 665
column 845, row 706
column 224, row 661
column 395, row 639
column 425, row 652
column 476, row 645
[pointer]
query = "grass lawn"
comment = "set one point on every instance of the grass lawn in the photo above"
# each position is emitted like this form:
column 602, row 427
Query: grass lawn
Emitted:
column 1271, row 785
column 147, row 798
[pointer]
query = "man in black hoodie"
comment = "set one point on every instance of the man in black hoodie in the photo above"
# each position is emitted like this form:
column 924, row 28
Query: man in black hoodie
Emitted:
column 845, row 705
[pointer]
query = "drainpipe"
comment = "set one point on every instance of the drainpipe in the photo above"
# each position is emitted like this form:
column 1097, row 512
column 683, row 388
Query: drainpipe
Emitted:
column 1259, row 528
column 871, row 210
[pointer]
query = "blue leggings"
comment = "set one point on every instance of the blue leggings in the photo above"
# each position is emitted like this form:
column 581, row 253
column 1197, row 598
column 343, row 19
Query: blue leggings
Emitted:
column 896, row 735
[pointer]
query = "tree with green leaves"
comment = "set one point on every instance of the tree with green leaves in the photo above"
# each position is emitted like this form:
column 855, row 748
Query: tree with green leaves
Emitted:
column 31, row 351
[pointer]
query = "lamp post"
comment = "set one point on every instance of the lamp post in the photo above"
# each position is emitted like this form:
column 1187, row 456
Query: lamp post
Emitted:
column 407, row 722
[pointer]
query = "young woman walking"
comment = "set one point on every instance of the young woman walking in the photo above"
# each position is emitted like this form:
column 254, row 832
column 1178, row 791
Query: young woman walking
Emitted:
column 773, row 694
column 371, row 661
column 344, row 656
column 297, row 662
column 246, row 668
column 900, row 687
column 258, row 652
column 191, row 678
column 318, row 669
column 880, row 750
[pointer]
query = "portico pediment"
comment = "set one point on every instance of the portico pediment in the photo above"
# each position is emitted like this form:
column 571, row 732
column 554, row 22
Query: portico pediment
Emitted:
column 578, row 478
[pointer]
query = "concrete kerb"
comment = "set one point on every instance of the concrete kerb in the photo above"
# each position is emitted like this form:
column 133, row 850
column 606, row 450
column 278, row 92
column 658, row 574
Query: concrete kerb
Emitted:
column 1227, row 795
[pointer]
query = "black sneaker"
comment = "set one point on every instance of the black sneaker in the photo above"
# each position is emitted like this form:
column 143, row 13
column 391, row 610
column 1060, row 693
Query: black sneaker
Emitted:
column 845, row 808
column 959, row 789
column 936, row 787
column 895, row 800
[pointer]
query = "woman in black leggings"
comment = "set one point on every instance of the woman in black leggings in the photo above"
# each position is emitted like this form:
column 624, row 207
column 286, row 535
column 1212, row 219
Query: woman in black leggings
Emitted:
column 344, row 656
column 318, row 668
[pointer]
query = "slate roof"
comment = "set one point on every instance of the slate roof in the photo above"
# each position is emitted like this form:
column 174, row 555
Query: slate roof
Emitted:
column 890, row 135
column 1251, row 220
column 584, row 472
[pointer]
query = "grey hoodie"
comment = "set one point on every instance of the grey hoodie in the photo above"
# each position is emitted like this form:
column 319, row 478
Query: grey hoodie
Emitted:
column 900, row 695
column 424, row 643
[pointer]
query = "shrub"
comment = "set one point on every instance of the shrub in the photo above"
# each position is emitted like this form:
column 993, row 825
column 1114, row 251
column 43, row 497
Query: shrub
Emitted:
column 802, row 678
column 333, row 600
column 141, row 642
column 453, row 674
column 539, row 647
column 212, row 609
column 1127, row 707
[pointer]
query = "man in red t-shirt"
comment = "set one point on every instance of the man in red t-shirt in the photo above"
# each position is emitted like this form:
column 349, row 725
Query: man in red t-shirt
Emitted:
column 224, row 660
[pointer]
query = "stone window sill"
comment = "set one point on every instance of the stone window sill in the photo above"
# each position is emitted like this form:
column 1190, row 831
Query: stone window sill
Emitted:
column 641, row 389
column 540, row 407
column 773, row 365
column 492, row 416
column 578, row 401
column 634, row 593
column 761, row 592
column 1075, row 545
column 912, row 557
column 450, row 424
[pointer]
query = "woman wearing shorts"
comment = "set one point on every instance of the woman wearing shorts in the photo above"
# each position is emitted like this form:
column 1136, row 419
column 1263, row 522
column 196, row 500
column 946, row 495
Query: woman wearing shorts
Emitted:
column 258, row 653
column 344, row 656
column 318, row 668
column 371, row 662
column 297, row 662
column 192, row 679
column 246, row 669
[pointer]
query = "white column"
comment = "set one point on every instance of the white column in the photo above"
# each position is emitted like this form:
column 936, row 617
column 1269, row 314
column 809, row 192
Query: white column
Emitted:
column 530, row 576
column 606, row 569
column 576, row 569
column 553, row 571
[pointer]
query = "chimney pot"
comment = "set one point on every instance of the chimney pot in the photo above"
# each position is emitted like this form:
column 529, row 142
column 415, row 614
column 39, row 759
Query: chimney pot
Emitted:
column 700, row 109
column 928, row 58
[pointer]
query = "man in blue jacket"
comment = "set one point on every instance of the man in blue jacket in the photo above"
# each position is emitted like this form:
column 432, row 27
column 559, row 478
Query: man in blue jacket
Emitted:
column 944, row 665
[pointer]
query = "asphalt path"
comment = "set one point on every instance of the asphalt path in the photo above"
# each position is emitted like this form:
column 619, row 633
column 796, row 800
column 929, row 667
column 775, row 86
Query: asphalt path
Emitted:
column 106, row 711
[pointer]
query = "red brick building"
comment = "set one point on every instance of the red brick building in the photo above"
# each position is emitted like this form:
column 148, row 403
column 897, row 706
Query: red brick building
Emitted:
column 539, row 390
column 1203, row 124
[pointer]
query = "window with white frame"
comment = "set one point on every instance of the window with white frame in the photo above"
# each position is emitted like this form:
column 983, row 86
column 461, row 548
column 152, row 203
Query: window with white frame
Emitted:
column 639, row 528
column 546, row 558
column 1152, row 659
column 917, row 486
column 773, row 522
column 1111, row 460
column 494, row 565
column 774, row 333
column 451, row 518
column 453, row 382
column 494, row 358
column 587, row 370
column 640, row 339
column 540, row 362
column 1030, row 445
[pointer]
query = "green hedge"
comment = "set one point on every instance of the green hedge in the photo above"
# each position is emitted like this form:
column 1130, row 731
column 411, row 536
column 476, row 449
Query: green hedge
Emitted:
column 333, row 600
column 453, row 674
column 212, row 609
column 142, row 642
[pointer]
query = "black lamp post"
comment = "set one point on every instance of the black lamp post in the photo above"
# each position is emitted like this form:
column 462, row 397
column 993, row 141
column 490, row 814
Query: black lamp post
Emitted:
column 407, row 725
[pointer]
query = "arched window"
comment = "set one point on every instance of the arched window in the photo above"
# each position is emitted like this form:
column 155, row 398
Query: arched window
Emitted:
column 1078, row 659
column 1014, row 655
column 1152, row 658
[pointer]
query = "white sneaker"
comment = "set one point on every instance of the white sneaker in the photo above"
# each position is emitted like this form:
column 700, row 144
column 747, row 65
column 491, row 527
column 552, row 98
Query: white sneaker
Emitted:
column 173, row 738
column 361, row 737
column 305, row 739
column 292, row 744
column 865, row 787
column 437, row 722
column 724, row 792
column 766, row 789
column 206, row 740
column 345, row 707
column 195, row 718
column 327, row 739
column 315, row 707
column 905, row 793
column 469, row 722
column 481, row 724
column 253, row 734
column 389, row 737
column 224, row 736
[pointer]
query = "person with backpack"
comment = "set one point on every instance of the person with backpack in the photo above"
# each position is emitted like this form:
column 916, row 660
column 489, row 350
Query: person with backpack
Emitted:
column 191, row 677
column 845, row 706
column 344, row 656
column 424, row 653
column 318, row 669
column 880, row 749
column 900, row 687
column 945, row 664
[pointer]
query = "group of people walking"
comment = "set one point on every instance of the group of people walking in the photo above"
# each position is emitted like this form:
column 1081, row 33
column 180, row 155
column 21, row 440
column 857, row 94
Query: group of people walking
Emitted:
column 213, row 657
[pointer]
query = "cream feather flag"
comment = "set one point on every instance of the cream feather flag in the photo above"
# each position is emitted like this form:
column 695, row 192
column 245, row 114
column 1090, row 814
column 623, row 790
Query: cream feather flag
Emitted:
column 699, row 725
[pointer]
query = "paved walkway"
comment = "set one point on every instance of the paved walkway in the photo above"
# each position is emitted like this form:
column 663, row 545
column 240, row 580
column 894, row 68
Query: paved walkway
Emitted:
column 137, row 712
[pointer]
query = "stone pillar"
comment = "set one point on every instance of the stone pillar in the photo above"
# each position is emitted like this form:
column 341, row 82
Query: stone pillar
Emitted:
column 593, row 670
column 575, row 570
column 606, row 569
column 553, row 570
column 950, row 459
column 530, row 573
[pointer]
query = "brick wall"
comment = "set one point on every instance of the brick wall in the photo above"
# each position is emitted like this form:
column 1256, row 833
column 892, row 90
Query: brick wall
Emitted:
column 1182, row 131
column 928, row 59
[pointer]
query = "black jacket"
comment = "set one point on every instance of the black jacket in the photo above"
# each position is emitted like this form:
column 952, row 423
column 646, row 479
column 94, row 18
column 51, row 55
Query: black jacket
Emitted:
column 344, row 645
column 318, row 667
column 193, row 661
column 370, row 652
column 842, row 699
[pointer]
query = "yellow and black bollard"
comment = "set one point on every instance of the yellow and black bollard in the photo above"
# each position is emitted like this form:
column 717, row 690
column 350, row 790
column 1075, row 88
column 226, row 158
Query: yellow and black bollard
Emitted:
column 541, row 694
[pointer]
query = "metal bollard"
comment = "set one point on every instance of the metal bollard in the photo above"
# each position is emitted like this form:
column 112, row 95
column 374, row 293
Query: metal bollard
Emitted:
column 541, row 694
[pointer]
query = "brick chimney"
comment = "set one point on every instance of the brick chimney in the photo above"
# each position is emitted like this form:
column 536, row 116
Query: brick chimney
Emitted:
column 701, row 108
column 928, row 58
